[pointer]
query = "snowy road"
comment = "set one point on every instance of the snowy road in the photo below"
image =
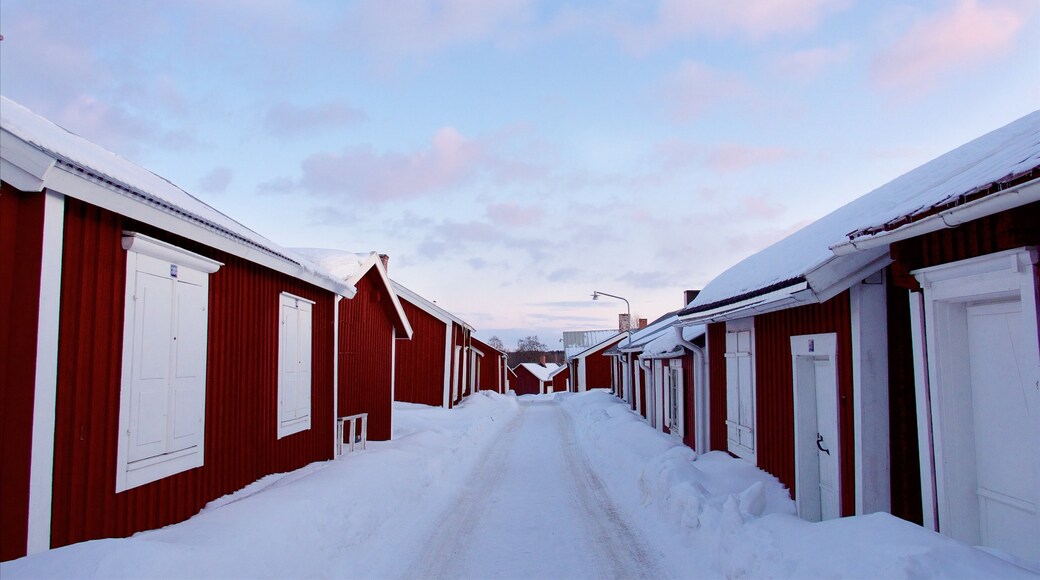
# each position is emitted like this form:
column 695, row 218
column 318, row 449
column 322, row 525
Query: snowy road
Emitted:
column 534, row 509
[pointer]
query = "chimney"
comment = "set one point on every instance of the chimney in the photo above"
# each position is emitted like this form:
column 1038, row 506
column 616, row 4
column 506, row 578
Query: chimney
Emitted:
column 385, row 259
column 642, row 323
column 542, row 360
column 624, row 322
column 688, row 296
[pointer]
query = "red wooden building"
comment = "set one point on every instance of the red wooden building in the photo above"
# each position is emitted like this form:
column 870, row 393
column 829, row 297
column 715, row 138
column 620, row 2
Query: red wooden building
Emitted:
column 561, row 379
column 824, row 366
column 433, row 368
column 156, row 354
column 675, row 361
column 592, row 368
column 491, row 367
column 370, row 328
column 965, row 267
column 533, row 378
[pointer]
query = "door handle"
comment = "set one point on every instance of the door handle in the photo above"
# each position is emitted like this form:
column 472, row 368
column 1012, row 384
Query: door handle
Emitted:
column 819, row 440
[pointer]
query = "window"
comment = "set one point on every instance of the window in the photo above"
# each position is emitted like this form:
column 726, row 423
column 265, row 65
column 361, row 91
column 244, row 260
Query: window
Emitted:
column 163, row 394
column 740, row 388
column 675, row 393
column 294, row 365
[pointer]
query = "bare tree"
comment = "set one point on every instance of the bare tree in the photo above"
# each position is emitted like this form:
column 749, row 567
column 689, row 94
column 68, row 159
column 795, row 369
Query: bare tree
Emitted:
column 531, row 344
column 496, row 342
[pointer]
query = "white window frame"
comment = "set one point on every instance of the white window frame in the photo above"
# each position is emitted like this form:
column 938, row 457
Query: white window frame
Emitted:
column 192, row 269
column 676, row 385
column 733, row 391
column 302, row 419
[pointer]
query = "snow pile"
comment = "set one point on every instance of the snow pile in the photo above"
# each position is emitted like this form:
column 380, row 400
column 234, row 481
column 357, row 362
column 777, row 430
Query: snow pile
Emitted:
column 728, row 518
column 330, row 519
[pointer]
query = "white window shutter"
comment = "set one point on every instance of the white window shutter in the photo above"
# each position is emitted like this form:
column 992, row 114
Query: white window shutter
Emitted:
column 732, row 391
column 303, row 357
column 746, row 410
column 188, row 384
column 149, row 393
column 288, row 334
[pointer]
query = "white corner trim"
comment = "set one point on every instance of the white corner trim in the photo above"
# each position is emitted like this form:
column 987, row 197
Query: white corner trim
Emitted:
column 45, row 394
column 160, row 250
column 393, row 375
column 447, row 365
column 922, row 398
column 873, row 467
column 335, row 372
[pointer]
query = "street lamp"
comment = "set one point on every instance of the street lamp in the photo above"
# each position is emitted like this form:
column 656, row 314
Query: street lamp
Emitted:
column 596, row 294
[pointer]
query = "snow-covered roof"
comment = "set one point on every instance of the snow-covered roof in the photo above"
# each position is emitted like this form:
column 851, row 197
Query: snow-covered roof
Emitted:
column 668, row 344
column 643, row 336
column 607, row 342
column 541, row 373
column 575, row 341
column 428, row 306
column 802, row 267
column 352, row 267
column 38, row 154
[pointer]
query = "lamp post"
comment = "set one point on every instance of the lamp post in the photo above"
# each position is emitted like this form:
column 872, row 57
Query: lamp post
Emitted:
column 596, row 294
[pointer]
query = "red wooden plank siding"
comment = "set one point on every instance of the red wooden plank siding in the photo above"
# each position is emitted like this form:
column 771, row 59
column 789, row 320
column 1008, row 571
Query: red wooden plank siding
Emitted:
column 526, row 383
column 366, row 359
column 716, row 340
column 689, row 406
column 1006, row 230
column 559, row 381
column 21, row 246
column 420, row 361
column 241, row 385
column 775, row 390
column 902, row 410
column 597, row 370
column 491, row 365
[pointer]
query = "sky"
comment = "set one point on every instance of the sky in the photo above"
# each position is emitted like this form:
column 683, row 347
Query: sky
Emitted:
column 513, row 156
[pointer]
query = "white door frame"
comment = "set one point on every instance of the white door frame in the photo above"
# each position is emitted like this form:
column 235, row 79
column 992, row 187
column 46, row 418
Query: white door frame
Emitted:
column 805, row 350
column 947, row 291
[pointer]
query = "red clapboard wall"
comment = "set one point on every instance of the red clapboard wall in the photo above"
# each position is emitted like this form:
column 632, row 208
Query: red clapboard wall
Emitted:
column 21, row 245
column 241, row 385
column 560, row 379
column 420, row 362
column 774, row 391
column 526, row 383
column 366, row 343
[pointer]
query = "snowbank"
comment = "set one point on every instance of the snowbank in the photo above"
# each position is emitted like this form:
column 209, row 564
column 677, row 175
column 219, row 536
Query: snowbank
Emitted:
column 313, row 522
column 731, row 519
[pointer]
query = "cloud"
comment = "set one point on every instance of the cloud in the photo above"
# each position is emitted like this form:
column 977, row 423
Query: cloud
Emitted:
column 754, row 20
column 288, row 120
column 653, row 279
column 564, row 275
column 367, row 176
column 694, row 89
column 217, row 180
column 278, row 185
column 420, row 27
column 939, row 44
column 810, row 63
column 513, row 214
column 118, row 129
column 731, row 157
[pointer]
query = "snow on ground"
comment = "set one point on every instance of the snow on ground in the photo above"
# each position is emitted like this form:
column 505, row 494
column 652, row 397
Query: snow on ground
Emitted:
column 550, row 486
column 330, row 519
column 725, row 518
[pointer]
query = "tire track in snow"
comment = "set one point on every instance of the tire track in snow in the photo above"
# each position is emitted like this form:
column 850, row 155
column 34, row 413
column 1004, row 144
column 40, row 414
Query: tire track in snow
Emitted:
column 533, row 508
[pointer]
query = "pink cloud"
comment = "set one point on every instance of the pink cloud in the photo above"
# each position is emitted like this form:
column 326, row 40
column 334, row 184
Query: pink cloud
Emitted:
column 810, row 63
column 217, row 180
column 694, row 89
column 965, row 35
column 513, row 214
column 731, row 157
column 756, row 20
column 450, row 160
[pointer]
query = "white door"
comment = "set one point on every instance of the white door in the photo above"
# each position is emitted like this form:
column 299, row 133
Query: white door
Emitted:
column 1007, row 478
column 817, row 445
column 827, row 437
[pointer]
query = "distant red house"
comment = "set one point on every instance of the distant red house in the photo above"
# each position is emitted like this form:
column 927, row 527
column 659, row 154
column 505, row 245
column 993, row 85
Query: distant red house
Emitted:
column 432, row 368
column 156, row 354
column 491, row 367
column 370, row 328
column 561, row 379
column 533, row 378
column 592, row 368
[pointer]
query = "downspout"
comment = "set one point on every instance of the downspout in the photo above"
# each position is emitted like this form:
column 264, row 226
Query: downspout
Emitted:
column 700, row 393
